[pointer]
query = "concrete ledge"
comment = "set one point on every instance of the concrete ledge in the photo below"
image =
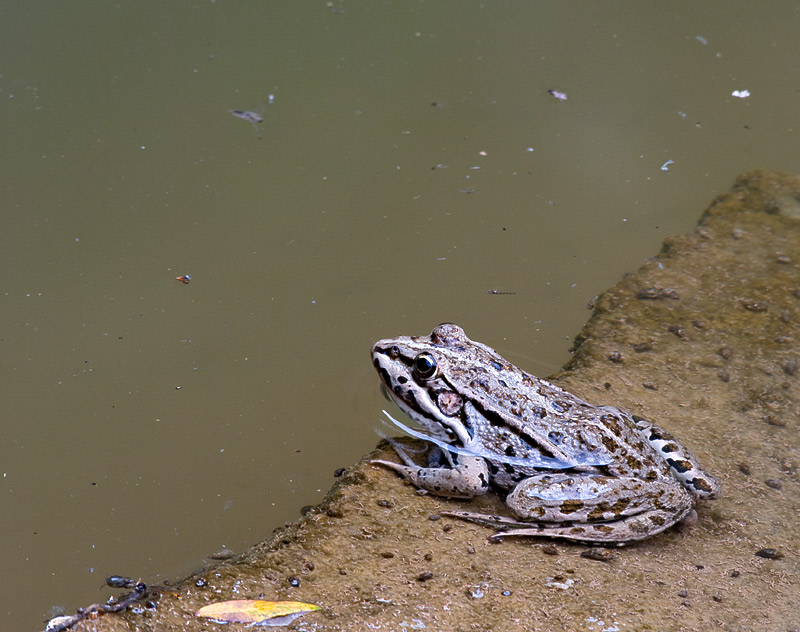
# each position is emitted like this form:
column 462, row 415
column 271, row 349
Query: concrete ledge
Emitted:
column 705, row 340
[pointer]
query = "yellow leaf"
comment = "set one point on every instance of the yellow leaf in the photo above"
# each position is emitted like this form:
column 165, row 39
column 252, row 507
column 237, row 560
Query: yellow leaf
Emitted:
column 256, row 612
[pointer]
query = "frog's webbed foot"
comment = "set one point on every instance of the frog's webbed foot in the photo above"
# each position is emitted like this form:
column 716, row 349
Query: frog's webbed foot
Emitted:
column 589, row 508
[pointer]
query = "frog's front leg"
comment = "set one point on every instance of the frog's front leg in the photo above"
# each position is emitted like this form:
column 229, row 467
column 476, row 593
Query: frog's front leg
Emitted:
column 465, row 477
column 590, row 508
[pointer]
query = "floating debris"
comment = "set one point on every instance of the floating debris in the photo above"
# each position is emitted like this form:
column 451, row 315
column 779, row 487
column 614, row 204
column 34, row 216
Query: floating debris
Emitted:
column 561, row 96
column 246, row 115
column 184, row 278
column 142, row 594
column 665, row 166
column 254, row 118
column 740, row 94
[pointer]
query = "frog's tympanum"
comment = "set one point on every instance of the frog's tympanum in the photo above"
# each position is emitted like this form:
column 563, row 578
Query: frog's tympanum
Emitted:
column 572, row 469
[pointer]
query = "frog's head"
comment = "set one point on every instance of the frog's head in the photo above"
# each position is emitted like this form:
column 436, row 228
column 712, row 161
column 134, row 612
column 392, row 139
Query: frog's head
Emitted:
column 414, row 372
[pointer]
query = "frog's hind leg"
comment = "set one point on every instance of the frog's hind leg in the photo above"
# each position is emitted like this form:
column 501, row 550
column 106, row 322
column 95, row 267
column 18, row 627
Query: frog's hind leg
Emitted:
column 617, row 533
column 590, row 508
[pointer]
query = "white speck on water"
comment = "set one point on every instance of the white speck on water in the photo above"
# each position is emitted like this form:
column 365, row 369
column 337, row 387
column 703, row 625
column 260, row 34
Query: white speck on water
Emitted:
column 665, row 166
column 740, row 94
column 529, row 149
column 702, row 40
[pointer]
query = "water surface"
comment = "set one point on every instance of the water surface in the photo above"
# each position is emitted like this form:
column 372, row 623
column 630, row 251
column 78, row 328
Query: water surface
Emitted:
column 409, row 160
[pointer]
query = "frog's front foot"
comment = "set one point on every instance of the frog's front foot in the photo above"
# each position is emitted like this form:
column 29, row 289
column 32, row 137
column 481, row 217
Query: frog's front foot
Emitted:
column 466, row 478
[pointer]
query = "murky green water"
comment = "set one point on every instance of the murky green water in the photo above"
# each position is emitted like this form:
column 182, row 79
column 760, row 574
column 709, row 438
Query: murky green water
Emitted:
column 410, row 159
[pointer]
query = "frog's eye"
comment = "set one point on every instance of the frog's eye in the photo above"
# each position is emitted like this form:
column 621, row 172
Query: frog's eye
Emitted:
column 425, row 366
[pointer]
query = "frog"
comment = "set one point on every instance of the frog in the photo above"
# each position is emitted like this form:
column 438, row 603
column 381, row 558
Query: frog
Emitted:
column 569, row 469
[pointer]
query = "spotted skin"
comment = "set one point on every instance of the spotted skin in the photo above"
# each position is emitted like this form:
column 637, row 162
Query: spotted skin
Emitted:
column 572, row 470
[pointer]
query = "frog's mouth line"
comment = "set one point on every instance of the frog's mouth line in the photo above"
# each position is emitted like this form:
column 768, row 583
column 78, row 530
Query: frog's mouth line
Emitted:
column 540, row 461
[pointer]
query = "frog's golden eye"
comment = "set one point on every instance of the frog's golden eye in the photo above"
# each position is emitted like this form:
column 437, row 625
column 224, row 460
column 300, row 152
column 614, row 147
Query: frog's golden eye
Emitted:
column 425, row 366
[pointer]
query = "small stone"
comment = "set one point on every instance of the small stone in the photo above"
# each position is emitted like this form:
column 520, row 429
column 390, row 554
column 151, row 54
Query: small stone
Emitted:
column 424, row 576
column 599, row 554
column 744, row 468
column 723, row 375
column 683, row 593
column 770, row 554
column 387, row 555
column 649, row 293
column 725, row 352
column 755, row 306
column 615, row 357
column 774, row 483
column 641, row 347
column 650, row 385
column 550, row 549
column 655, row 293
column 677, row 330
column 737, row 233
column 790, row 366
column 783, row 259
column 434, row 517
column 775, row 421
